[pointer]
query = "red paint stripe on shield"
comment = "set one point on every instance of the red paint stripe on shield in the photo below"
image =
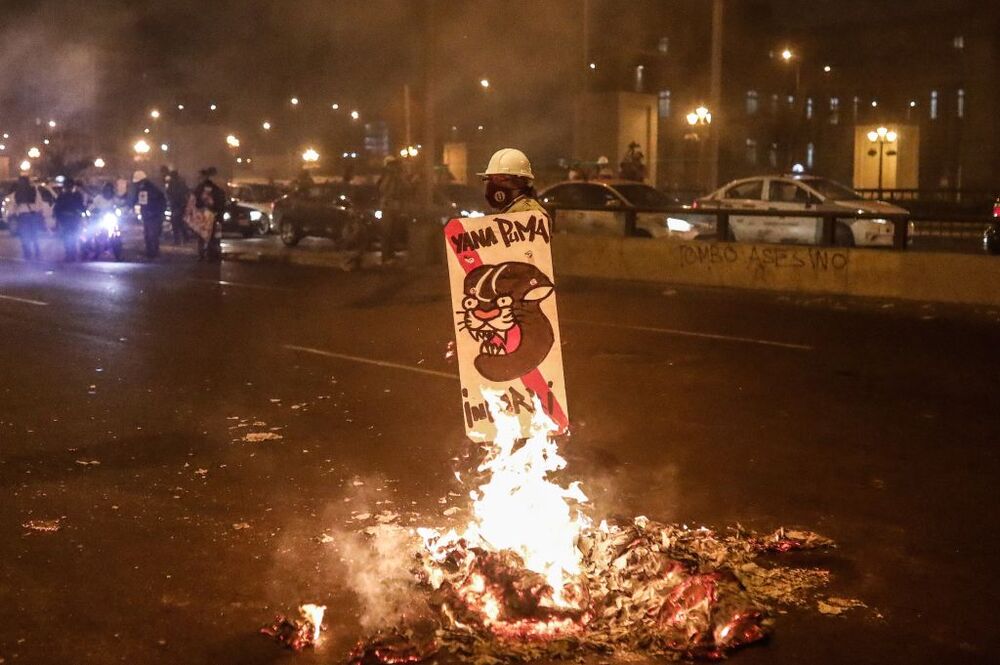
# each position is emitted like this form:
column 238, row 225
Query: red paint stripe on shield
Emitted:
column 469, row 259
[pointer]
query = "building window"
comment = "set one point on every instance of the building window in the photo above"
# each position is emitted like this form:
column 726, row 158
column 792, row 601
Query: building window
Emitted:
column 958, row 42
column 751, row 153
column 834, row 110
column 772, row 156
column 753, row 102
column 809, row 108
column 664, row 103
column 664, row 45
column 810, row 156
column 960, row 105
column 934, row 103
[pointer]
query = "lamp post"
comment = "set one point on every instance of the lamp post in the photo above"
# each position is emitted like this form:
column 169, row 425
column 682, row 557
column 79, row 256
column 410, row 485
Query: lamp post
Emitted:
column 881, row 137
column 701, row 117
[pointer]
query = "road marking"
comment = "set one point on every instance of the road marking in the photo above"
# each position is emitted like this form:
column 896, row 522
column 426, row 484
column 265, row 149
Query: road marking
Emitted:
column 371, row 361
column 691, row 333
column 222, row 282
column 27, row 301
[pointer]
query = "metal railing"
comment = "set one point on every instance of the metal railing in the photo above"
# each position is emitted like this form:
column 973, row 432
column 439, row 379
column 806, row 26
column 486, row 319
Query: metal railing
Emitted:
column 828, row 220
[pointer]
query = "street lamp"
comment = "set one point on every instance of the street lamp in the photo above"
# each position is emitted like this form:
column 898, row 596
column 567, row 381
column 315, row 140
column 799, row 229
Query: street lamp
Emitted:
column 355, row 115
column 882, row 136
column 485, row 83
column 25, row 166
column 232, row 141
column 141, row 147
column 154, row 114
column 34, row 153
column 99, row 163
column 699, row 116
column 52, row 124
column 294, row 101
column 266, row 126
column 310, row 156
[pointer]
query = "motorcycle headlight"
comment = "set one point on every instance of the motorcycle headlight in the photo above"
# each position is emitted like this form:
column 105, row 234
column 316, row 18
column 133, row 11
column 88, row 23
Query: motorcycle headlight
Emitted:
column 678, row 225
column 109, row 222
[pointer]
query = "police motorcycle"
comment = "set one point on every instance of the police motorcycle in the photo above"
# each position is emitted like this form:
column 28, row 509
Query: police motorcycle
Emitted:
column 102, row 232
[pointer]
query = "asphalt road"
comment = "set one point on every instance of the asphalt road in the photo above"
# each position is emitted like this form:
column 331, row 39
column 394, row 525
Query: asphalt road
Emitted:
column 127, row 391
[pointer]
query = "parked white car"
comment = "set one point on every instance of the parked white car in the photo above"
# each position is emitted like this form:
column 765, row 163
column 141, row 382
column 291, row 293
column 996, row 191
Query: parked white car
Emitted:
column 806, row 193
column 598, row 207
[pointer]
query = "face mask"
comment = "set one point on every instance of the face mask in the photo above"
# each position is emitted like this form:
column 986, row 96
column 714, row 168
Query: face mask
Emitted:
column 497, row 196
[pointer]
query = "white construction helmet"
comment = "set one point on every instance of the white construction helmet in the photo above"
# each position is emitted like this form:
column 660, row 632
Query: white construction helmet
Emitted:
column 138, row 176
column 508, row 161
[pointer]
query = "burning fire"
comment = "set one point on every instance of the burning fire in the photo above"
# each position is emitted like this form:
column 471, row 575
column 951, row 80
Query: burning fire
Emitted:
column 519, row 511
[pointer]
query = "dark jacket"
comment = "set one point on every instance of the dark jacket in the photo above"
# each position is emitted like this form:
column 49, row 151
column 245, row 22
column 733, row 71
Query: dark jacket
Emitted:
column 69, row 207
column 150, row 199
column 177, row 193
column 208, row 195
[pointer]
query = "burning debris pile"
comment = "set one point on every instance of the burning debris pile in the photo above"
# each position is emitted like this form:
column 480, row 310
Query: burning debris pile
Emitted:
column 531, row 577
column 297, row 634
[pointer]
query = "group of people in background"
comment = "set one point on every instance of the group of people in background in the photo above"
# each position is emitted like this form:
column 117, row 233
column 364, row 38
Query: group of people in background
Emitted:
column 632, row 167
column 196, row 212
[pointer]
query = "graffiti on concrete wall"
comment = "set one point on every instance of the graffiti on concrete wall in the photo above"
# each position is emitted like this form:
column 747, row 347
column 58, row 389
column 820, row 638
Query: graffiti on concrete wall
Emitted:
column 754, row 257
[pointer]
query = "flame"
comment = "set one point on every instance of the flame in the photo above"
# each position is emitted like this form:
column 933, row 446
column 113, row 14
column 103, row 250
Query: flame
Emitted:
column 313, row 615
column 519, row 509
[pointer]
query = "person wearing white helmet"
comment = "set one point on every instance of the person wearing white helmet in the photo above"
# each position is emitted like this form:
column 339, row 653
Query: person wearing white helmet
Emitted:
column 509, row 182
column 604, row 170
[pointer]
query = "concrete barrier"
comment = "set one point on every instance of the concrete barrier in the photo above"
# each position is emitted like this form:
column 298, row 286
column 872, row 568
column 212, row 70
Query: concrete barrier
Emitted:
column 925, row 276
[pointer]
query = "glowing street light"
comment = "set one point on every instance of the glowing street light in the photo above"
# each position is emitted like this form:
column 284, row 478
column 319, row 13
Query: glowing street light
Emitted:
column 154, row 114
column 335, row 107
column 266, row 126
column 46, row 141
column 99, row 163
column 355, row 115
column 164, row 147
column 699, row 116
column 146, row 131
column 232, row 141
column 34, row 153
column 180, row 107
column 212, row 107
column 827, row 69
column 294, row 101
column 3, row 146
column 484, row 82
column 310, row 156
column 882, row 136
column 25, row 165
column 141, row 147
column 52, row 124
column 593, row 66
column 787, row 55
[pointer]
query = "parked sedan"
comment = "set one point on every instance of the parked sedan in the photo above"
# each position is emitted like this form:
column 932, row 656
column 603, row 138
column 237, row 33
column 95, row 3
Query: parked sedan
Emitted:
column 800, row 193
column 323, row 211
column 599, row 208
column 247, row 219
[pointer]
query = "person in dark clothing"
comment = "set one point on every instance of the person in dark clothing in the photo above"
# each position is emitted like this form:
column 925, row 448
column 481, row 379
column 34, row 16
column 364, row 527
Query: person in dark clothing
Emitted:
column 28, row 210
column 177, row 196
column 152, row 206
column 210, row 198
column 391, row 198
column 69, row 209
